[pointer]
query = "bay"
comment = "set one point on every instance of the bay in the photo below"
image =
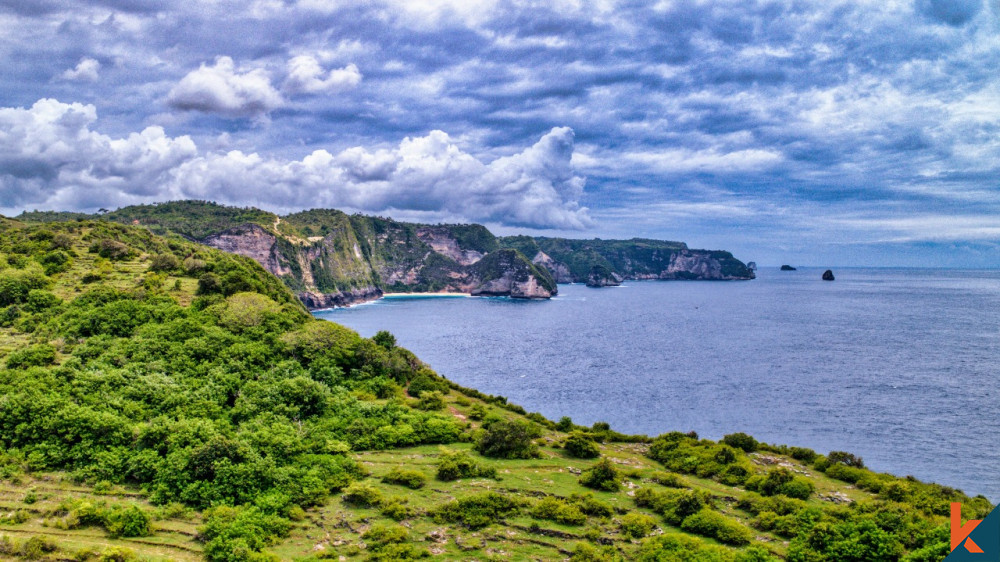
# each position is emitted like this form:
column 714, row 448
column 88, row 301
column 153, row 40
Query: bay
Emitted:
column 900, row 366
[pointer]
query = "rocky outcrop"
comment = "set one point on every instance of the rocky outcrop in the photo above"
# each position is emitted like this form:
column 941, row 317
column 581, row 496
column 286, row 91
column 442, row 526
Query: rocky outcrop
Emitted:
column 315, row 300
column 601, row 276
column 559, row 271
column 508, row 273
column 788, row 268
column 252, row 241
column 828, row 275
column 330, row 258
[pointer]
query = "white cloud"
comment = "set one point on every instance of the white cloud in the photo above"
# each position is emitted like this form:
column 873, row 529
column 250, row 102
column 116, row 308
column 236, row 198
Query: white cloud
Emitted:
column 86, row 70
column 224, row 90
column 50, row 158
column 306, row 76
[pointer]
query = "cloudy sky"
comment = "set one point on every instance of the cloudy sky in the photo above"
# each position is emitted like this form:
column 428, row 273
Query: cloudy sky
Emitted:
column 805, row 132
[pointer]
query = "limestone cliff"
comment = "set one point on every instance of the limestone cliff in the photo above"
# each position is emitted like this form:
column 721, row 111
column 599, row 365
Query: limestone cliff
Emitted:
column 333, row 259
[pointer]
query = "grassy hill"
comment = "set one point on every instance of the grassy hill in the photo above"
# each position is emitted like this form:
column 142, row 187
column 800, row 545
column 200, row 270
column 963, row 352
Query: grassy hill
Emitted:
column 161, row 400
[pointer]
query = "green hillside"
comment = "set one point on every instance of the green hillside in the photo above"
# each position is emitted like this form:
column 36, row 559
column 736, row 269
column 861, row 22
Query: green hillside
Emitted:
column 160, row 400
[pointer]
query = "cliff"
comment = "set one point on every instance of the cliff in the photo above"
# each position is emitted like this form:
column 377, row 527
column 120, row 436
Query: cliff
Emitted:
column 330, row 258
column 607, row 262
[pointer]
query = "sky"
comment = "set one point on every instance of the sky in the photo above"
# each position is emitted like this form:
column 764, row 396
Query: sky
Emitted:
column 818, row 133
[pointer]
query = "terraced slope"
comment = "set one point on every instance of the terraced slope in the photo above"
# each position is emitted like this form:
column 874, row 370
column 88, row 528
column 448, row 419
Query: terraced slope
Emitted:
column 164, row 400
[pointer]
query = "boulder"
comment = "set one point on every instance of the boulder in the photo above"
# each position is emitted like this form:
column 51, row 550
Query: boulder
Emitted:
column 828, row 275
column 787, row 268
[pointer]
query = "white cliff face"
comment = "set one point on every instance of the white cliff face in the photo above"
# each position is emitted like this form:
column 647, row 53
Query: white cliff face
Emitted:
column 443, row 243
column 252, row 241
column 559, row 271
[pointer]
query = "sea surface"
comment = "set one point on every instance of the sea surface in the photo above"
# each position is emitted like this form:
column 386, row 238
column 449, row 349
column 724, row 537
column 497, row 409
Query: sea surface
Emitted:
column 900, row 366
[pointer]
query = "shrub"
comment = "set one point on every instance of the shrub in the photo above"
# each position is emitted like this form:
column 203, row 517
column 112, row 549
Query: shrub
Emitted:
column 673, row 505
column 237, row 534
column 164, row 262
column 636, row 525
column 110, row 249
column 396, row 508
column 844, row 458
column 455, row 465
column 128, row 521
column 508, row 439
column 362, row 495
column 478, row 511
column 555, row 509
column 565, row 424
column 385, row 339
column 584, row 552
column 33, row 356
column 781, row 481
column 430, row 401
column 668, row 479
column 412, row 479
column 477, row 412
column 741, row 441
column 803, row 454
column 579, row 445
column 713, row 524
column 591, row 505
column 602, row 476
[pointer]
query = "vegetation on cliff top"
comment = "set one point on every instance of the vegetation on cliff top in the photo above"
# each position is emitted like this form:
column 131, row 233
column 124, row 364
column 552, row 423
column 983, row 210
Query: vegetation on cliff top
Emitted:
column 163, row 400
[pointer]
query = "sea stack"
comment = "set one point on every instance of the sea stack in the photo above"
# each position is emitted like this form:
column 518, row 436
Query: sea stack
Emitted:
column 787, row 268
column 828, row 275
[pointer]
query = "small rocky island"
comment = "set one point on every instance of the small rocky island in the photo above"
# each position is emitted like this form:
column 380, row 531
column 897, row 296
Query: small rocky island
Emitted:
column 828, row 275
column 602, row 276
column 788, row 268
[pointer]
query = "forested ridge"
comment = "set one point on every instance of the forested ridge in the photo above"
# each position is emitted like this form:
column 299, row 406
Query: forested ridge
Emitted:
column 160, row 399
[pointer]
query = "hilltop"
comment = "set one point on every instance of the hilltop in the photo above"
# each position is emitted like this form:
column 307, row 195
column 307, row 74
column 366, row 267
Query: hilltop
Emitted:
column 330, row 258
column 160, row 399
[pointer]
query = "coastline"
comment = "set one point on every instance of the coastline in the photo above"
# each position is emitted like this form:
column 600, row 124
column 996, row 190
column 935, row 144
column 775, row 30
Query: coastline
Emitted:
column 438, row 294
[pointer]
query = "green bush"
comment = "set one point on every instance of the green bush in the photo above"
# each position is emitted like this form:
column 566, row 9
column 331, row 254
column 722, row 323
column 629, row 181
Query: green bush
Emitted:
column 781, row 481
column 453, row 465
column 509, row 439
column 478, row 511
column 674, row 505
column 164, row 262
column 129, row 521
column 430, row 401
column 844, row 458
column 579, row 445
column 37, row 355
column 713, row 524
column 555, row 509
column 636, row 525
column 412, row 479
column 362, row 495
column 602, row 476
column 668, row 479
column 238, row 534
column 741, row 441
column 591, row 505
column 396, row 508
column 585, row 552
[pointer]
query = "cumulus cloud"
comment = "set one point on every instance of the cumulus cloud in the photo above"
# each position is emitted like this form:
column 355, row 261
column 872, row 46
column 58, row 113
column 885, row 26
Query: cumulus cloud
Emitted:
column 49, row 155
column 305, row 75
column 225, row 90
column 86, row 71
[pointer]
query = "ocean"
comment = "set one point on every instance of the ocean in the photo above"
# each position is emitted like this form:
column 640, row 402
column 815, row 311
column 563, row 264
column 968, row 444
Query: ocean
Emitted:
column 899, row 366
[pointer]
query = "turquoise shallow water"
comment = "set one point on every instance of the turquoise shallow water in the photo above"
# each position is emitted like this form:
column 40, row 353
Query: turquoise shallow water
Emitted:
column 900, row 366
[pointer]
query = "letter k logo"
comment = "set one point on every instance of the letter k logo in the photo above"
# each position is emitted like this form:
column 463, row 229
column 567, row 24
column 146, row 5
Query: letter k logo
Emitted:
column 961, row 532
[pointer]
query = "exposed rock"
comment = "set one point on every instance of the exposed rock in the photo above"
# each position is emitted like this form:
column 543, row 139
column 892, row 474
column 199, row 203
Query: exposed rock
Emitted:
column 443, row 242
column 788, row 268
column 559, row 271
column 828, row 275
column 601, row 276
column 252, row 241
column 315, row 300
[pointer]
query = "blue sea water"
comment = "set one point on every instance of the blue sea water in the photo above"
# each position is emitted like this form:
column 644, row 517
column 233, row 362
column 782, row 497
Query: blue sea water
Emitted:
column 900, row 366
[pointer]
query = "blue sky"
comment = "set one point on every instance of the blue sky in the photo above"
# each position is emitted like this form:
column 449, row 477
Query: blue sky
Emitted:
column 813, row 133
